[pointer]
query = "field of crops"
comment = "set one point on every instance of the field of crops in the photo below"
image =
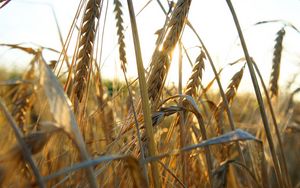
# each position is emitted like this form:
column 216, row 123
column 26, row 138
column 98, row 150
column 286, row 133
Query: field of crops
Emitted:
column 63, row 125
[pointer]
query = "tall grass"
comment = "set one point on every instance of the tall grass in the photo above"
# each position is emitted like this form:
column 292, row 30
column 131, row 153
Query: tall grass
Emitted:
column 75, row 130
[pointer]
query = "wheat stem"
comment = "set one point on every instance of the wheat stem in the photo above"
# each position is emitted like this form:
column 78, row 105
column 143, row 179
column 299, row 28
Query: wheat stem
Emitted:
column 281, row 153
column 182, row 127
column 144, row 94
column 258, row 95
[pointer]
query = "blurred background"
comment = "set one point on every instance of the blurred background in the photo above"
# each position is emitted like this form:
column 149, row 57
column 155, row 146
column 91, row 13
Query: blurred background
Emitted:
column 34, row 23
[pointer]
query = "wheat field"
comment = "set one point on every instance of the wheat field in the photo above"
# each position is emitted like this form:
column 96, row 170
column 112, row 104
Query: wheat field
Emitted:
column 63, row 125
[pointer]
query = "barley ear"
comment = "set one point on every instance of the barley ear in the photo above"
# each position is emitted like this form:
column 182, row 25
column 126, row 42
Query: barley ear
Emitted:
column 161, row 57
column 230, row 94
column 86, row 46
column 196, row 77
column 276, row 63
column 120, row 33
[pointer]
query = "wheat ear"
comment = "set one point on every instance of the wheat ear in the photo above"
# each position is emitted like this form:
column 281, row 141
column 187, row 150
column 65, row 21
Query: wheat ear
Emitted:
column 191, row 88
column 161, row 57
column 230, row 94
column 196, row 77
column 276, row 63
column 120, row 33
column 86, row 44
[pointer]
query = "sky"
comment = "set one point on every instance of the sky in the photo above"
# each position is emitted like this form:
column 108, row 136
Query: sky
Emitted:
column 32, row 22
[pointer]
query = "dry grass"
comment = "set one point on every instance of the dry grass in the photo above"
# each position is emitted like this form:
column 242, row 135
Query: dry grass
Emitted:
column 143, row 133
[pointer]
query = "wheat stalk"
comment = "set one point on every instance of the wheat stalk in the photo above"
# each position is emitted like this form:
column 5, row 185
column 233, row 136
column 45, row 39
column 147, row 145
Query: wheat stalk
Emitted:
column 86, row 45
column 258, row 95
column 120, row 33
column 276, row 63
column 144, row 94
column 282, row 159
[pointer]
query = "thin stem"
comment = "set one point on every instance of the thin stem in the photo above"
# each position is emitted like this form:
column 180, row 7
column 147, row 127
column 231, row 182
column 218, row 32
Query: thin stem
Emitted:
column 136, row 122
column 224, row 98
column 102, row 35
column 258, row 95
column 181, row 118
column 60, row 38
column 281, row 153
column 144, row 94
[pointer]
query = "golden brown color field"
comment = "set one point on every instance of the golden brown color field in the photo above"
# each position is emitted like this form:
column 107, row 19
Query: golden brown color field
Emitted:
column 62, row 125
